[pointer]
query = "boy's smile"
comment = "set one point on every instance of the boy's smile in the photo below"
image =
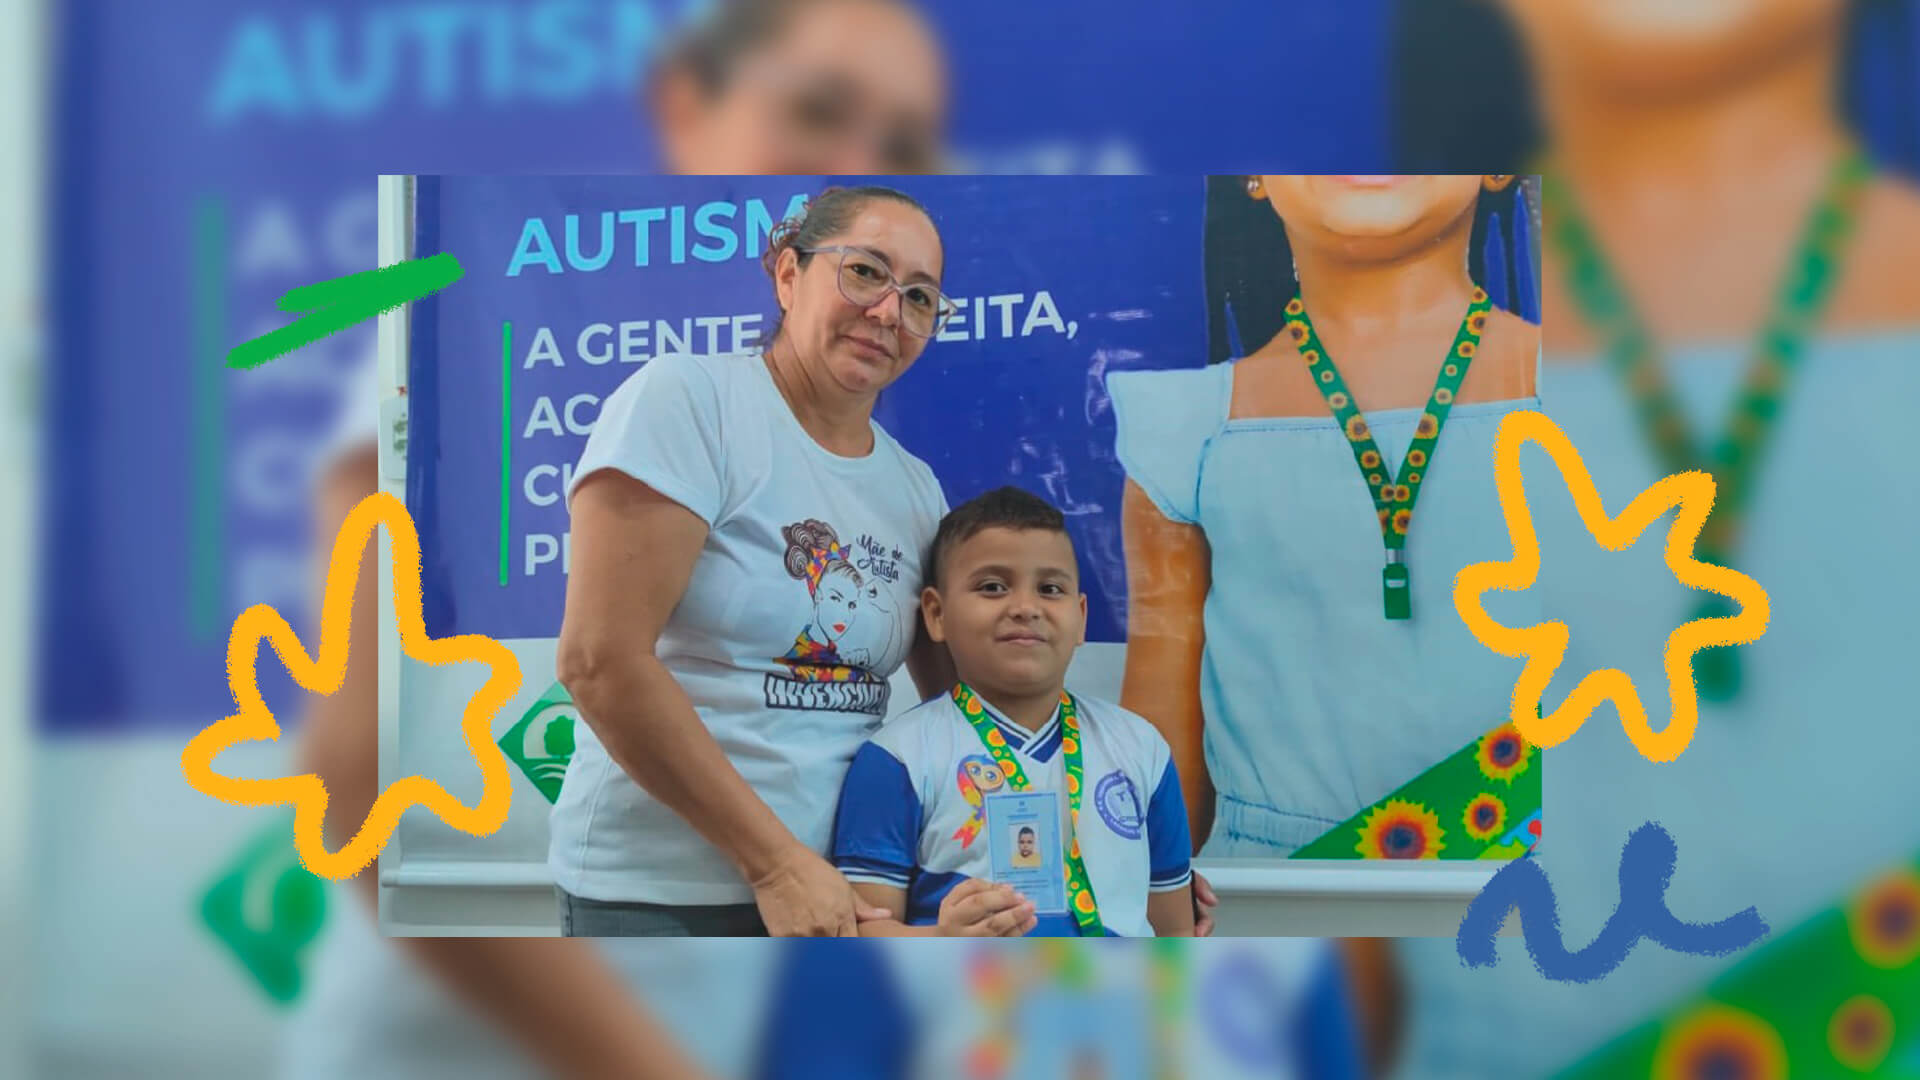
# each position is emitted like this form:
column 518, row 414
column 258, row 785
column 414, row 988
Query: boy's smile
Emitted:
column 1011, row 611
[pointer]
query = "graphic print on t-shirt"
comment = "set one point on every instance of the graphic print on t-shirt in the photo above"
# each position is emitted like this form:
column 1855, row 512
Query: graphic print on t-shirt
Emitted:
column 853, row 625
column 979, row 776
column 1119, row 805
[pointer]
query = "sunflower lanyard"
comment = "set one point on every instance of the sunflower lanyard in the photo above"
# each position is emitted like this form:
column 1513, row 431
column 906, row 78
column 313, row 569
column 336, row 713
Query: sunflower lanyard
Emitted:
column 1079, row 890
column 1168, row 960
column 1392, row 500
column 1736, row 455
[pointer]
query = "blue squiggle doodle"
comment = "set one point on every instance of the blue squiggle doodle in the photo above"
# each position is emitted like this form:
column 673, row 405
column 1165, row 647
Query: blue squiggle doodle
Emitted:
column 1646, row 868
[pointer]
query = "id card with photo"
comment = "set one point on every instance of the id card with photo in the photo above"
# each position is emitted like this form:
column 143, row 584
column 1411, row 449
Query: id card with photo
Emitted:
column 1023, row 842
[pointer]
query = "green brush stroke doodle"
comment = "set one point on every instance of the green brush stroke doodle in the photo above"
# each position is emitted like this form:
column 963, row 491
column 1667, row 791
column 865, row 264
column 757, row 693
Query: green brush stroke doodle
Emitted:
column 328, row 307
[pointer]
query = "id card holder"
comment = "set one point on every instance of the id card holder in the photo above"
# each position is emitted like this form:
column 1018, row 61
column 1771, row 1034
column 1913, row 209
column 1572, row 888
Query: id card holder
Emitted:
column 1024, row 846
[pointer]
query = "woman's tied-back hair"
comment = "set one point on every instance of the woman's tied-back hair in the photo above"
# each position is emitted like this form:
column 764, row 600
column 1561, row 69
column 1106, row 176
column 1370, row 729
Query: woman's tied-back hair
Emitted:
column 827, row 215
column 812, row 549
column 1005, row 508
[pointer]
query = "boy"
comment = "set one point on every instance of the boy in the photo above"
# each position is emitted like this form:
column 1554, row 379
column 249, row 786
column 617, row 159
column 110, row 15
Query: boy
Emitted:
column 937, row 807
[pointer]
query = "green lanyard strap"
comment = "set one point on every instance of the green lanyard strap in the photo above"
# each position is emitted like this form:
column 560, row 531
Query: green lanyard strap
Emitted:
column 1734, row 458
column 1079, row 890
column 1393, row 498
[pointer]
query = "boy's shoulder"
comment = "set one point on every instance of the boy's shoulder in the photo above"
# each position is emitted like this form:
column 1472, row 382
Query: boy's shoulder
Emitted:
column 1118, row 725
column 930, row 717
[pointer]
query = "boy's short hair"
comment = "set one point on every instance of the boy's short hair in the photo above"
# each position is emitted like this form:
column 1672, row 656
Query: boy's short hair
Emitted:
column 1005, row 508
column 1027, row 830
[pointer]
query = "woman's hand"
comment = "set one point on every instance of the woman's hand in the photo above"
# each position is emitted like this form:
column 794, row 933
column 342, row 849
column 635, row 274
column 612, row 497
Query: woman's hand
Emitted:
column 979, row 908
column 804, row 896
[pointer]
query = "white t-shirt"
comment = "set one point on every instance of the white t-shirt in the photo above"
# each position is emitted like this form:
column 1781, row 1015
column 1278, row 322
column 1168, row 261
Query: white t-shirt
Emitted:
column 913, row 812
column 368, row 1010
column 802, row 604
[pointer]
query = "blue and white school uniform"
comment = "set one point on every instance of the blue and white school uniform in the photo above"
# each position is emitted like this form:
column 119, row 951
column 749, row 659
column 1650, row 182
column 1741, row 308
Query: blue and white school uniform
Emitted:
column 912, row 812
column 1218, row 1008
column 1316, row 705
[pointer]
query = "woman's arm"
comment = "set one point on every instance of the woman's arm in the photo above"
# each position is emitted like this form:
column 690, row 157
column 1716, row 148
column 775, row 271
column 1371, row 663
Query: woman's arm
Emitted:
column 633, row 555
column 894, row 900
column 1168, row 572
column 557, row 999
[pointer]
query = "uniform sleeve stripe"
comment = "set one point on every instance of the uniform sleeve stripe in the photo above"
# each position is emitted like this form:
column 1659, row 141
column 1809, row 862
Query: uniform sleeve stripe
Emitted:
column 1175, row 884
column 868, row 877
column 1169, row 851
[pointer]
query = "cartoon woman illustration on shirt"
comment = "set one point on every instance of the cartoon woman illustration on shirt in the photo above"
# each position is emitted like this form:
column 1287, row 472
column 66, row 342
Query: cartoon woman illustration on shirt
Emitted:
column 815, row 555
column 878, row 629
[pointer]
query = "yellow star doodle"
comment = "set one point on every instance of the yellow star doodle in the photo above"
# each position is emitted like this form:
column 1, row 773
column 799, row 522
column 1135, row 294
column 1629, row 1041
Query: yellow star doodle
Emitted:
column 1545, row 644
column 323, row 675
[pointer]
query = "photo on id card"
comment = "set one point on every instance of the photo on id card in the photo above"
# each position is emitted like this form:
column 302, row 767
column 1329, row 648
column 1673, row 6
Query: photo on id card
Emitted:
column 1023, row 842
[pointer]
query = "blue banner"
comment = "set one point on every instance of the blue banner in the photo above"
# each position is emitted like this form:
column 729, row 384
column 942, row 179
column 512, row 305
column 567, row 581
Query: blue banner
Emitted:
column 213, row 155
column 573, row 283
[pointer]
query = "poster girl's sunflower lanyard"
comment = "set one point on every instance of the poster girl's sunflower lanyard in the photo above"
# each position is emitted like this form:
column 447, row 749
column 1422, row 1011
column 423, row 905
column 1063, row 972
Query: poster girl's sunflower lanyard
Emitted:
column 1735, row 458
column 1392, row 499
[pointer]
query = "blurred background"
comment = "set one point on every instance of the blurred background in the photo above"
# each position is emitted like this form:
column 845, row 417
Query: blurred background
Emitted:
column 171, row 169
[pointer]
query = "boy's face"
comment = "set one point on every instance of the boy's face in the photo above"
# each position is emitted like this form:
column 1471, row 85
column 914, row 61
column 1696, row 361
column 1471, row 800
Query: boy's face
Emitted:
column 1009, row 607
column 1026, row 844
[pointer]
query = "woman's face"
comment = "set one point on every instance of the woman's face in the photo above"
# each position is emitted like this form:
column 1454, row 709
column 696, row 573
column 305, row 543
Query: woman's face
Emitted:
column 1370, row 217
column 1655, row 48
column 847, row 87
column 835, row 603
column 861, row 349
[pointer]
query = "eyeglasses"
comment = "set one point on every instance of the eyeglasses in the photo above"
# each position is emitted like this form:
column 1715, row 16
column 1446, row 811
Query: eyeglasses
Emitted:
column 825, row 122
column 865, row 281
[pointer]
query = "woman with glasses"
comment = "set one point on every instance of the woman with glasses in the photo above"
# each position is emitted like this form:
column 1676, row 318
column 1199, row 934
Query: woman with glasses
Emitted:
column 747, row 548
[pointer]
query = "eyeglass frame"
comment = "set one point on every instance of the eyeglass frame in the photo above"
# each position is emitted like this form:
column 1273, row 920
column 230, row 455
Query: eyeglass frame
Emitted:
column 946, row 308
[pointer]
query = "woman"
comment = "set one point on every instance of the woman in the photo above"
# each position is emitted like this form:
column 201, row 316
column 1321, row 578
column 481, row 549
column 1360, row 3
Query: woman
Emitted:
column 747, row 554
column 1271, row 542
column 725, row 98
column 1691, row 168
column 770, row 87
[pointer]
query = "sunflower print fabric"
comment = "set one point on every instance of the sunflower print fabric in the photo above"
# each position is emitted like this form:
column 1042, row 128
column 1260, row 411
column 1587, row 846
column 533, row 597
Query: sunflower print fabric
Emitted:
column 1836, row 996
column 1482, row 802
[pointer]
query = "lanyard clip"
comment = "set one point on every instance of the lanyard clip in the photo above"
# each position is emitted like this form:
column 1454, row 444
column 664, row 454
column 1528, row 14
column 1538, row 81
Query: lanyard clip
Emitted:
column 1396, row 586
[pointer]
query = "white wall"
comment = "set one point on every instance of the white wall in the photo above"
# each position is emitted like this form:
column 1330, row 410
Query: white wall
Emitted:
column 22, row 158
